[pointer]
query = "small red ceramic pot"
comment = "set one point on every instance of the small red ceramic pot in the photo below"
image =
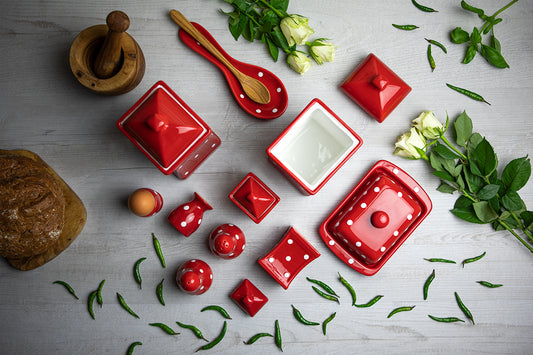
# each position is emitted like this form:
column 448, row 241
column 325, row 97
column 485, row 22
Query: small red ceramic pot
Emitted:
column 145, row 202
column 249, row 297
column 187, row 217
column 194, row 277
column 378, row 215
column 254, row 197
column 289, row 257
column 375, row 87
column 227, row 241
column 168, row 132
column 313, row 147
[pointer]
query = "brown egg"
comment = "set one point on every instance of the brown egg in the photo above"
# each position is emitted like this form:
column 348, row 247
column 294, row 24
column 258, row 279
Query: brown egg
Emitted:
column 142, row 202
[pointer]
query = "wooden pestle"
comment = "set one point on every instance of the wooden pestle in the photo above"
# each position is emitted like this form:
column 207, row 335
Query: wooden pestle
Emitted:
column 108, row 61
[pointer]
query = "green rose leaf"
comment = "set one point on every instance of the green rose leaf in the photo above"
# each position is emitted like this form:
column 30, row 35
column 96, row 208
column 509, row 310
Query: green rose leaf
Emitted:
column 484, row 211
column 484, row 160
column 473, row 142
column 279, row 40
column 474, row 182
column 493, row 56
column 443, row 175
column 463, row 129
column 527, row 217
column 272, row 49
column 436, row 162
column 463, row 209
column 445, row 152
column 516, row 174
column 512, row 201
column 280, row 4
column 446, row 188
column 458, row 35
column 488, row 192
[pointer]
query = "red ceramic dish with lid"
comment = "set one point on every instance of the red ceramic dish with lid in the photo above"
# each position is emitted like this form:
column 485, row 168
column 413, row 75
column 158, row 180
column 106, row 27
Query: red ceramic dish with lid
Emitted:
column 254, row 197
column 249, row 297
column 376, row 217
column 375, row 87
column 168, row 132
column 313, row 147
column 288, row 257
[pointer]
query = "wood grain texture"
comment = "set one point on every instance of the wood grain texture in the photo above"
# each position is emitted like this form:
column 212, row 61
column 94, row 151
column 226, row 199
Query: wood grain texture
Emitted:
column 46, row 110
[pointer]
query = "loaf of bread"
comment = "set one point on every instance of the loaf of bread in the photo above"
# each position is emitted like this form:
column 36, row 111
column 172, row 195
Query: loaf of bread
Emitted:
column 39, row 214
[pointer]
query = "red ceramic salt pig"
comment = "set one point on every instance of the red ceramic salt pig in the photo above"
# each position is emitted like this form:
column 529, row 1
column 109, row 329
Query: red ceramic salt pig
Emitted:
column 194, row 277
column 188, row 216
column 227, row 241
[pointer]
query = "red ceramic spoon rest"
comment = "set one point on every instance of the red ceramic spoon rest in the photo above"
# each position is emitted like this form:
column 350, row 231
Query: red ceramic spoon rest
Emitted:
column 278, row 94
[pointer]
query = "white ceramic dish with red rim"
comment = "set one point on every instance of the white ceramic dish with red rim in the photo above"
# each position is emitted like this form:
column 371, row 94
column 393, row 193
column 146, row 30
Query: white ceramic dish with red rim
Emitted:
column 168, row 132
column 376, row 218
column 313, row 147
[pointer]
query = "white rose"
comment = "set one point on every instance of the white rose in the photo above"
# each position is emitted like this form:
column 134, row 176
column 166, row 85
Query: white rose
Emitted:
column 322, row 51
column 299, row 62
column 427, row 124
column 406, row 143
column 295, row 29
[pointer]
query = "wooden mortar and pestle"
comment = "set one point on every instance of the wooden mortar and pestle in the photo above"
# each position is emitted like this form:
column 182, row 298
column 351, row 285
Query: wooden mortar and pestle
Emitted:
column 107, row 60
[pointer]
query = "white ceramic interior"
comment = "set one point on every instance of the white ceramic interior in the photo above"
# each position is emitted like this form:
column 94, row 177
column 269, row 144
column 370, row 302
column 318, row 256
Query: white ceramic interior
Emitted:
column 314, row 146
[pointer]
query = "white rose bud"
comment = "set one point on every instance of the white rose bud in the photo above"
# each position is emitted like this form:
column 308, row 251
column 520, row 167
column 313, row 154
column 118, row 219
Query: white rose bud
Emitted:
column 299, row 62
column 295, row 29
column 427, row 124
column 406, row 143
column 322, row 51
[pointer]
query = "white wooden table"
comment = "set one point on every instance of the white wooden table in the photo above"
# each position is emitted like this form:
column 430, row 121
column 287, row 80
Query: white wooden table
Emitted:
column 45, row 110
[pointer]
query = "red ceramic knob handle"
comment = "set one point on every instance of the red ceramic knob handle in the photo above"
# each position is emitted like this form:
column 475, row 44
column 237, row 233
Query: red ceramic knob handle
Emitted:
column 224, row 244
column 380, row 219
column 190, row 281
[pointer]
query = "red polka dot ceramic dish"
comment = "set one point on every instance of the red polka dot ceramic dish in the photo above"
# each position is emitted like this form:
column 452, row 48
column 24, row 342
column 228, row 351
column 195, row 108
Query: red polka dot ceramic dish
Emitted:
column 376, row 217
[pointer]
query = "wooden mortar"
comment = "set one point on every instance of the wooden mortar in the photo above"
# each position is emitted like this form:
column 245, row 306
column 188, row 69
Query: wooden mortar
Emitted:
column 106, row 59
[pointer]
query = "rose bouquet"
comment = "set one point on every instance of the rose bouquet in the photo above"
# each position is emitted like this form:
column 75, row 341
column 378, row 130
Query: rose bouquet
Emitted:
column 470, row 168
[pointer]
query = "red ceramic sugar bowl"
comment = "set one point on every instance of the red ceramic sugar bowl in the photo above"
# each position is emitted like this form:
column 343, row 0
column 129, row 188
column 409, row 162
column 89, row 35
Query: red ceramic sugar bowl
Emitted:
column 227, row 241
column 188, row 216
column 194, row 277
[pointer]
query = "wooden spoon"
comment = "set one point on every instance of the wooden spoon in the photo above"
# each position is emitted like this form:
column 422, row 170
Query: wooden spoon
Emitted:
column 253, row 88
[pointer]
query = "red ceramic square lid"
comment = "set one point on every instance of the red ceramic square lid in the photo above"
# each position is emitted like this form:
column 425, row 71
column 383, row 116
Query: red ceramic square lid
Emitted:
column 289, row 257
column 254, row 197
column 375, row 87
column 249, row 297
column 376, row 217
column 163, row 127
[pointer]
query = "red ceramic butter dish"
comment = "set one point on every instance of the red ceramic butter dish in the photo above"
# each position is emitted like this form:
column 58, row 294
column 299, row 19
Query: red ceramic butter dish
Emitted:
column 227, row 241
column 375, row 87
column 313, row 147
column 249, row 298
column 168, row 131
column 289, row 257
column 254, row 197
column 376, row 217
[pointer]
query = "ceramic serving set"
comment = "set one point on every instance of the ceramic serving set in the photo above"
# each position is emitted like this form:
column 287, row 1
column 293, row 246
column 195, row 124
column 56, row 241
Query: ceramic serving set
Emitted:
column 364, row 230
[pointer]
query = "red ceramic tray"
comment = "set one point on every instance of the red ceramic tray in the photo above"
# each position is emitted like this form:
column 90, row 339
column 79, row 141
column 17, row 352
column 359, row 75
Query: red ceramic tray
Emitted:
column 289, row 257
column 278, row 94
column 376, row 217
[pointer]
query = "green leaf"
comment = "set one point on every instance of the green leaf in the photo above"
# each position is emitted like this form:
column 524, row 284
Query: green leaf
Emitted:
column 444, row 151
column 484, row 211
column 458, row 35
column 483, row 160
column 473, row 142
column 443, row 175
column 495, row 204
column 279, row 39
column 470, row 53
column 505, row 214
column 463, row 129
column 464, row 210
column 272, row 49
column 436, row 162
column 494, row 43
column 493, row 56
column 512, row 201
column 488, row 192
column 446, row 188
column 457, row 171
column 527, row 217
column 471, row 8
column 516, row 174
column 459, row 181
column 280, row 4
column 237, row 25
column 475, row 37
column 474, row 182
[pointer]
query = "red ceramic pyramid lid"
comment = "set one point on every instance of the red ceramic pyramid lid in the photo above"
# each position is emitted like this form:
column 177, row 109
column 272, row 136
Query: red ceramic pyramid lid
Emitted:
column 163, row 127
column 376, row 217
column 249, row 297
column 375, row 87
column 254, row 197
column 289, row 257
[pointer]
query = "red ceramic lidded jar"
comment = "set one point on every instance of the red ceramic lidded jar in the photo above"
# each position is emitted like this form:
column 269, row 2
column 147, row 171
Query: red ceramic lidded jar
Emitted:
column 194, row 277
column 188, row 216
column 168, row 132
